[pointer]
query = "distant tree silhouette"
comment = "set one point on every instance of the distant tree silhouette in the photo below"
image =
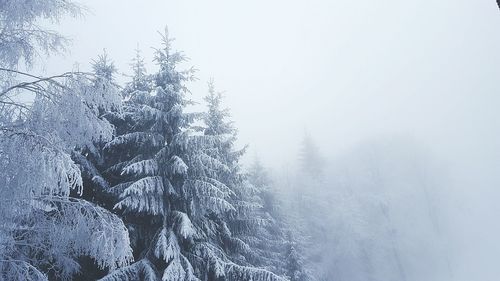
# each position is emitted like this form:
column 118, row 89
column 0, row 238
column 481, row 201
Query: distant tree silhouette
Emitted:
column 311, row 161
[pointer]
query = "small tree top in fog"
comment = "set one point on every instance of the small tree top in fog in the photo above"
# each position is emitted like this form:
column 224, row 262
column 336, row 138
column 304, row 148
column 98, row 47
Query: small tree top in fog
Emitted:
column 311, row 161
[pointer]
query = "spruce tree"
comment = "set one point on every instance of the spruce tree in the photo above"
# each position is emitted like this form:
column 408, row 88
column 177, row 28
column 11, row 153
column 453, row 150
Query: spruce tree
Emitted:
column 266, row 236
column 254, row 234
column 170, row 185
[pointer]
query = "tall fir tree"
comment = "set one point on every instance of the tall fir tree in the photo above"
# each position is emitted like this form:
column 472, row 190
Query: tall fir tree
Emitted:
column 169, row 182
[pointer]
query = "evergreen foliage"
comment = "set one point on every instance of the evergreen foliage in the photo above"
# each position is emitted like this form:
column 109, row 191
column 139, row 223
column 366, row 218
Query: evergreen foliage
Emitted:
column 123, row 184
column 178, row 189
column 45, row 224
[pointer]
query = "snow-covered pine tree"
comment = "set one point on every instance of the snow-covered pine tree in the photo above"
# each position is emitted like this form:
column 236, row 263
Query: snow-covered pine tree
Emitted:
column 146, row 174
column 267, row 239
column 43, row 230
column 295, row 268
column 256, row 229
column 218, row 127
column 141, row 81
column 101, row 170
column 167, row 183
column 246, row 217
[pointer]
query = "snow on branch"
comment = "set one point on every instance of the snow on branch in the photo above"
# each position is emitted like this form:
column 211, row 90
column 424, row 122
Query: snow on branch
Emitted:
column 90, row 230
column 177, row 166
column 142, row 168
column 183, row 225
column 142, row 270
column 167, row 245
column 136, row 139
column 144, row 195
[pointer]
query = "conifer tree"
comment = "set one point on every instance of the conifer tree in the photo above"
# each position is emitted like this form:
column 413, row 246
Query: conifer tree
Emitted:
column 140, row 79
column 218, row 126
column 311, row 161
column 306, row 210
column 277, row 243
column 255, row 228
column 267, row 236
column 294, row 262
column 169, row 183
column 44, row 231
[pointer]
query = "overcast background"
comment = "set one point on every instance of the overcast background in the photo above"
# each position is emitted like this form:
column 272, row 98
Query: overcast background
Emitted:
column 343, row 70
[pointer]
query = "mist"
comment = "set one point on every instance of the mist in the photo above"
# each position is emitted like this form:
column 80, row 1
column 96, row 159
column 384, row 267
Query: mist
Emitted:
column 400, row 98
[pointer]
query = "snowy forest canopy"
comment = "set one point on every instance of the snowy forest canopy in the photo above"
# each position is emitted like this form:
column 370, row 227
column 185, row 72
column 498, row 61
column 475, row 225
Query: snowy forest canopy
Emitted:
column 111, row 178
column 107, row 182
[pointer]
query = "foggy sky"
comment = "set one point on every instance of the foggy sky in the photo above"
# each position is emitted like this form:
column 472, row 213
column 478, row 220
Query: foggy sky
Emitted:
column 343, row 70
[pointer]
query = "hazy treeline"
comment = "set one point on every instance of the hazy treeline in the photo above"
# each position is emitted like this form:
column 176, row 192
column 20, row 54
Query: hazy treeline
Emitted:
column 376, row 212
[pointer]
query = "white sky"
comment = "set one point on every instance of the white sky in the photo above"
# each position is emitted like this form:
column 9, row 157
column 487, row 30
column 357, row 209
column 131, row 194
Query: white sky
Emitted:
column 342, row 69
